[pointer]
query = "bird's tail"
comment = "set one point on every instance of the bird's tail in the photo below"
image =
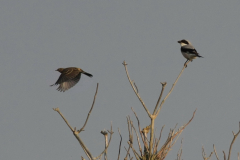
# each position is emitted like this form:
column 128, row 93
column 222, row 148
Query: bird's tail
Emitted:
column 87, row 74
column 199, row 55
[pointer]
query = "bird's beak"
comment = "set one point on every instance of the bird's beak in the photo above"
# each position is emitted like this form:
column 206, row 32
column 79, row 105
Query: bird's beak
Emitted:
column 179, row 41
column 56, row 70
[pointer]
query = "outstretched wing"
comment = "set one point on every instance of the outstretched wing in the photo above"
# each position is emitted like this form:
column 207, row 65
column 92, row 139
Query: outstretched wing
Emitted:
column 69, row 83
column 68, row 74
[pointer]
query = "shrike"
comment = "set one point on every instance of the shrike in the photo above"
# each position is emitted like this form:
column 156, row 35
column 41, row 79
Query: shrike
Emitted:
column 188, row 51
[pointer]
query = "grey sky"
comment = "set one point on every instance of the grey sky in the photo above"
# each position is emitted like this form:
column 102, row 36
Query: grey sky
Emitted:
column 39, row 36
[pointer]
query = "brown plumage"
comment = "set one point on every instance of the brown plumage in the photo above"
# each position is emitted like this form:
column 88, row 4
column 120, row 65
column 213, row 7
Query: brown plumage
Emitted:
column 69, row 77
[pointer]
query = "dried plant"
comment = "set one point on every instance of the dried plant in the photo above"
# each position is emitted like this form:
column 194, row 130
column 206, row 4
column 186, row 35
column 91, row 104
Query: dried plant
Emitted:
column 151, row 151
column 76, row 133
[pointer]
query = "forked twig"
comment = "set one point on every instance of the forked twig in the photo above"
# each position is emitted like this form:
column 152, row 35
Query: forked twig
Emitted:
column 105, row 134
column 135, row 90
column 172, row 135
column 75, row 133
column 127, row 154
column 160, row 96
column 111, row 133
column 82, row 129
column 234, row 138
column 204, row 154
column 170, row 89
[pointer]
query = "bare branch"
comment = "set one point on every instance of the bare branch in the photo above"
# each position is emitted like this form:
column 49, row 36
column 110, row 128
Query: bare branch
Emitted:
column 119, row 144
column 128, row 150
column 164, row 149
column 82, row 158
column 57, row 110
column 75, row 133
column 140, row 149
column 215, row 152
column 139, row 127
column 170, row 90
column 135, row 90
column 130, row 129
column 160, row 96
column 224, row 155
column 234, row 138
column 111, row 133
column 179, row 154
column 82, row 129
column 137, row 156
column 160, row 136
column 106, row 142
column 204, row 154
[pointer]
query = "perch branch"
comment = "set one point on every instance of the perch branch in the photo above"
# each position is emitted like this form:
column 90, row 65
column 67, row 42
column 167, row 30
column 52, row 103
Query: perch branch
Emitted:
column 170, row 90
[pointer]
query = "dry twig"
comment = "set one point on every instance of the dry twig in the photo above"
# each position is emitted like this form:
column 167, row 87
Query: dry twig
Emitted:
column 111, row 133
column 160, row 96
column 234, row 138
column 135, row 90
column 170, row 90
column 119, row 144
column 204, row 154
column 215, row 152
column 165, row 148
column 82, row 129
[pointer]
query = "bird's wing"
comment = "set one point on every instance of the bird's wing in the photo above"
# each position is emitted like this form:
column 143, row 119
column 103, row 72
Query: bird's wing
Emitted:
column 69, row 83
column 69, row 74
column 190, row 49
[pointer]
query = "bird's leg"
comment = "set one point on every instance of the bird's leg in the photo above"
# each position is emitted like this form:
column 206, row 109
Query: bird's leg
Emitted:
column 185, row 64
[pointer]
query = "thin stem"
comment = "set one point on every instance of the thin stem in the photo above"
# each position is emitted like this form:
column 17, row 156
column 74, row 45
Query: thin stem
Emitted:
column 135, row 90
column 171, row 89
column 234, row 138
column 119, row 144
column 82, row 129
column 163, row 86
column 215, row 152
column 111, row 133
column 75, row 133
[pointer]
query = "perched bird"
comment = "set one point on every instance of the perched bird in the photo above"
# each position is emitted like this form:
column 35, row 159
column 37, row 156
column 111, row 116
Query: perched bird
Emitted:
column 188, row 51
column 69, row 77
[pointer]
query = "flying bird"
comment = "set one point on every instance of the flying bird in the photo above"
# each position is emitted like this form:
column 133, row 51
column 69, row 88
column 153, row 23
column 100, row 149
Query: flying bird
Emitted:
column 69, row 77
column 188, row 51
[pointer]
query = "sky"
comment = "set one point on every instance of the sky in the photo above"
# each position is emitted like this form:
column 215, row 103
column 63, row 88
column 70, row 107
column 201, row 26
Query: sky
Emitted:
column 39, row 36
